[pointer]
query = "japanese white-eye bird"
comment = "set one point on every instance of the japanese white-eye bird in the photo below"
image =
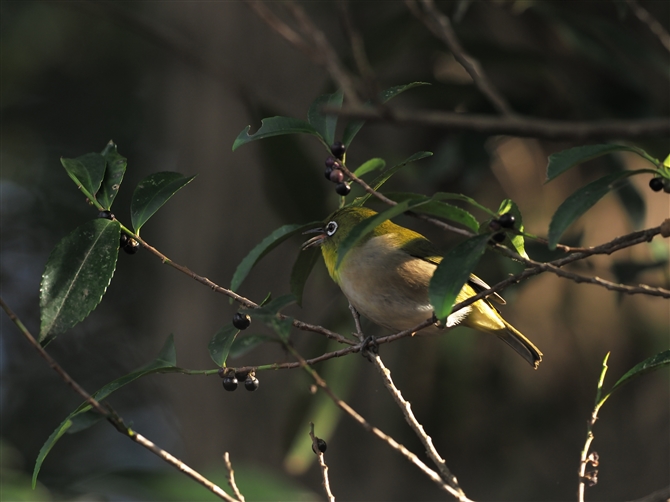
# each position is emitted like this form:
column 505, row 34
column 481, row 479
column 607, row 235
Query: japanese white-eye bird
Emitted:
column 385, row 276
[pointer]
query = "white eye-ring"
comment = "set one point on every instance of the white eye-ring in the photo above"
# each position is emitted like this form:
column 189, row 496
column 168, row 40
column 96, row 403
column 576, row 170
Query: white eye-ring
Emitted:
column 331, row 228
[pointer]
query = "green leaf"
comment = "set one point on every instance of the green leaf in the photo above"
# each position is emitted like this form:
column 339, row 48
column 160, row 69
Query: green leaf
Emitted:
column 369, row 224
column 268, row 314
column 302, row 267
column 76, row 276
column 86, row 171
column 116, row 168
column 439, row 209
column 268, row 244
column 152, row 192
column 219, row 345
column 383, row 177
column 275, row 126
column 246, row 343
column 562, row 161
column 369, row 166
column 453, row 272
column 464, row 198
column 517, row 240
column 355, row 125
column 650, row 364
column 325, row 125
column 580, row 202
column 85, row 416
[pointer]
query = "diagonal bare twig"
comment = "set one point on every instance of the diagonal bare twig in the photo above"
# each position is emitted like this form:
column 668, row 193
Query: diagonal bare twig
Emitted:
column 656, row 28
column 440, row 25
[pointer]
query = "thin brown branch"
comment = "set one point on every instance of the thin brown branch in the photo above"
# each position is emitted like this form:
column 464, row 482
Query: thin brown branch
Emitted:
column 231, row 477
column 434, row 476
column 521, row 126
column 440, row 25
column 322, row 463
column 111, row 415
column 656, row 28
column 238, row 298
column 407, row 412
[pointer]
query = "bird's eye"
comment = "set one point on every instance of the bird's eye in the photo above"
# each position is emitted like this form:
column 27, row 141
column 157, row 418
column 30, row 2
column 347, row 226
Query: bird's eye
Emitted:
column 331, row 228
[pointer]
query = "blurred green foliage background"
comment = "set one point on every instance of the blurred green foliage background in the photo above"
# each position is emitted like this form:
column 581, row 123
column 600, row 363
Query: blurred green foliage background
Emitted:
column 173, row 83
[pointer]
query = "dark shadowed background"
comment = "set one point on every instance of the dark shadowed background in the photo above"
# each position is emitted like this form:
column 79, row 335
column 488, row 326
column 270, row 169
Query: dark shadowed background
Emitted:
column 173, row 84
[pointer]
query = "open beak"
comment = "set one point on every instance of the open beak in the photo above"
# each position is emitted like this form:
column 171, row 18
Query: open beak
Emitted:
column 317, row 240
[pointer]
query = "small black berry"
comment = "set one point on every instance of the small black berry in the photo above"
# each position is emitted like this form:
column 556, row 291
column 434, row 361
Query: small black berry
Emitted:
column 495, row 225
column 241, row 321
column 330, row 162
column 251, row 383
column 106, row 215
column 499, row 237
column 131, row 246
column 230, row 382
column 338, row 149
column 327, row 172
column 123, row 240
column 336, row 176
column 321, row 445
column 507, row 220
column 222, row 372
column 343, row 189
column 656, row 184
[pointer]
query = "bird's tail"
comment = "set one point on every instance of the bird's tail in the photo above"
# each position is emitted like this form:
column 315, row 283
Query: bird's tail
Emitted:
column 522, row 345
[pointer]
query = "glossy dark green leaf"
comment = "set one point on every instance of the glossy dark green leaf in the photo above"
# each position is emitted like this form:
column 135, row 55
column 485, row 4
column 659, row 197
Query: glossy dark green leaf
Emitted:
column 628, row 194
column 152, row 192
column 76, row 276
column 369, row 166
column 580, row 202
column 463, row 198
column 562, row 161
column 383, row 177
column 266, row 245
column 355, row 125
column 275, row 126
column 219, row 345
column 453, row 272
column 116, row 168
column 246, row 343
column 517, row 241
column 325, row 125
column 302, row 267
column 84, row 416
column 439, row 209
column 86, row 171
column 369, row 224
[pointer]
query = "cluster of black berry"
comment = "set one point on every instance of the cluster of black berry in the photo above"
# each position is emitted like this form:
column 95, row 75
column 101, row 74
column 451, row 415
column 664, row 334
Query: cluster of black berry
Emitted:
column 658, row 183
column 128, row 244
column 504, row 221
column 231, row 379
column 334, row 168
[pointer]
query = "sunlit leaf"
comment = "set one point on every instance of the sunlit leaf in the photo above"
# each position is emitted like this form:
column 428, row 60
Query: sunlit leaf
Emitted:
column 325, row 124
column 383, row 177
column 650, row 364
column 369, row 166
column 562, row 161
column 580, row 202
column 152, row 192
column 116, row 168
column 516, row 240
column 266, row 245
column 439, row 209
column 76, row 276
column 85, row 416
column 453, row 272
column 275, row 126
